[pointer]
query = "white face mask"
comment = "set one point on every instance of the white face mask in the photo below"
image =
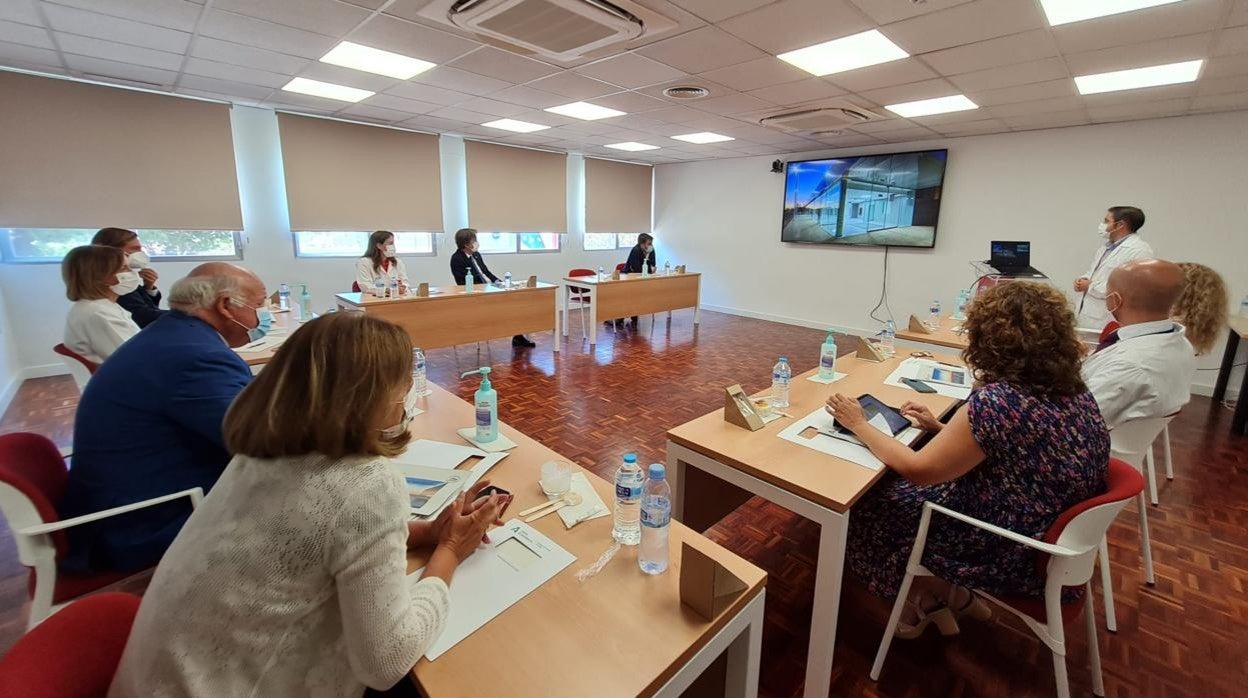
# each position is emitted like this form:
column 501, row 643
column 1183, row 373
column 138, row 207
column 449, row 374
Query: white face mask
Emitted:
column 138, row 260
column 390, row 251
column 1103, row 230
column 409, row 413
column 127, row 281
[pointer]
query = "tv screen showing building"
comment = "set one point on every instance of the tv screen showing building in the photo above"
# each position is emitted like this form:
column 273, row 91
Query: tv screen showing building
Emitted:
column 890, row 199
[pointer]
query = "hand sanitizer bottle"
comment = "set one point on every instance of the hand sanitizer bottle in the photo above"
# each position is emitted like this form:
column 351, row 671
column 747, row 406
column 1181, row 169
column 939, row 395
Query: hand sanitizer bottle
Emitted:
column 827, row 357
column 486, row 402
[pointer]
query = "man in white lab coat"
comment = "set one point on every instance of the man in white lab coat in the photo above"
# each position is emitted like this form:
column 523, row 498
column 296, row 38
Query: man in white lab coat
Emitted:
column 1145, row 367
column 1120, row 231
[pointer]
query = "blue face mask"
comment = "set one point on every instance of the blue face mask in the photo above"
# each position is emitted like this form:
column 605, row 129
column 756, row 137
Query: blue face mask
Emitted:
column 264, row 322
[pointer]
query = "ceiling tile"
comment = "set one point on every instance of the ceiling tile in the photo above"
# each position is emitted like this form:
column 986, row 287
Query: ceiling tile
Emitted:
column 1016, row 74
column 573, row 86
column 432, row 123
column 375, row 112
column 760, row 72
column 223, row 87
column 468, row 117
column 219, row 97
column 172, row 14
column 794, row 24
column 883, row 75
column 460, row 80
column 928, row 89
column 1024, row 93
column 338, row 75
column 718, row 10
column 630, row 102
column 1016, row 48
column 1048, row 120
column 25, row 34
column 907, row 135
column 884, row 125
column 122, row 53
column 675, row 115
column 629, row 70
column 399, row 36
column 248, row 56
column 1224, row 66
column 1151, row 110
column 266, row 35
column 321, row 16
column 972, row 128
column 797, row 92
column 492, row 106
column 21, row 11
column 30, row 57
column 370, row 4
column 1216, row 86
column 1239, row 14
column 293, row 101
column 755, row 149
column 731, row 104
column 1234, row 40
column 1141, row 26
column 1156, row 52
column 966, row 23
column 529, row 97
column 850, row 140
column 504, row 65
column 410, row 106
column 888, row 11
column 428, row 93
column 1221, row 102
column 97, row 68
column 75, row 21
column 235, row 73
column 701, row 50
column 1038, row 106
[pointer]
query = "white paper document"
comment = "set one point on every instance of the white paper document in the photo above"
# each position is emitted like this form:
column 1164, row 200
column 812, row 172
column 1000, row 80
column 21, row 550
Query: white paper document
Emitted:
column 591, row 506
column 437, row 454
column 261, row 345
column 816, row 378
column 911, row 367
column 517, row 561
column 843, row 445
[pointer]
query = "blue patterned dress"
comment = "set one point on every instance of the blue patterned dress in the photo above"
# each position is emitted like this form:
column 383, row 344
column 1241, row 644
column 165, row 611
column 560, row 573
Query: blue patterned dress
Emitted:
column 1044, row 454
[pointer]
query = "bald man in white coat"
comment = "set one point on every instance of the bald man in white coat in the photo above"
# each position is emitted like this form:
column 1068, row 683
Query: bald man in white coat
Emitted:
column 1120, row 231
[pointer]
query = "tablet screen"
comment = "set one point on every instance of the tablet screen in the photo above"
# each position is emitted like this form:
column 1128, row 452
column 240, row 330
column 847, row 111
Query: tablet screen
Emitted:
column 872, row 407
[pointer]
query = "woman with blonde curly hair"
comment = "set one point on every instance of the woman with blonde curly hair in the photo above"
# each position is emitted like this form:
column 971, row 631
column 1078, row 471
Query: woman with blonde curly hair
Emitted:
column 1028, row 444
column 1201, row 308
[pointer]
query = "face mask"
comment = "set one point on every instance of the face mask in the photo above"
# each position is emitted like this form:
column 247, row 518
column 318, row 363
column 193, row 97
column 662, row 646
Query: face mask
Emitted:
column 390, row 251
column 1115, row 308
column 138, row 260
column 127, row 281
column 1103, row 230
column 409, row 413
column 264, row 322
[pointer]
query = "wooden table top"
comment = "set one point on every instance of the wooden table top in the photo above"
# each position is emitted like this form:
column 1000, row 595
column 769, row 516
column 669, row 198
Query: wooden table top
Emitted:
column 620, row 633
column 944, row 337
column 283, row 324
column 593, row 280
column 1238, row 325
column 829, row 481
column 361, row 299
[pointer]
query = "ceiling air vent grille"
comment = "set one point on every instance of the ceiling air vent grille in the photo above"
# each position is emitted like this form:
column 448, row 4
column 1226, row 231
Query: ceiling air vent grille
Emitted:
column 686, row 92
column 818, row 120
column 559, row 29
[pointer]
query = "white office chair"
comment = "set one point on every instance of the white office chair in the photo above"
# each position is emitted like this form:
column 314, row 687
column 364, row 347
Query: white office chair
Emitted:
column 1071, row 545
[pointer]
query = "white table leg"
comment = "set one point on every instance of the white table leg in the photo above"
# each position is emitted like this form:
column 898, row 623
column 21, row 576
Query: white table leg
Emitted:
column 557, row 337
column 828, row 576
column 676, row 480
column 745, row 654
column 567, row 296
column 697, row 305
column 593, row 312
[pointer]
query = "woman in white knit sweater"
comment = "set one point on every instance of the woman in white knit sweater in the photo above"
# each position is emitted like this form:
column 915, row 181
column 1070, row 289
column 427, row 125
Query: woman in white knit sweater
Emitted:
column 290, row 578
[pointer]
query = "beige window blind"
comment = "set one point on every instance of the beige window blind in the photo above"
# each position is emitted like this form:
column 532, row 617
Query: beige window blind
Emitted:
column 516, row 189
column 78, row 155
column 342, row 176
column 617, row 197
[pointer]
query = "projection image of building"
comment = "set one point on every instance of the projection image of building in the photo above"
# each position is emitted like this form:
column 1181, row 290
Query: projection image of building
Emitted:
column 872, row 200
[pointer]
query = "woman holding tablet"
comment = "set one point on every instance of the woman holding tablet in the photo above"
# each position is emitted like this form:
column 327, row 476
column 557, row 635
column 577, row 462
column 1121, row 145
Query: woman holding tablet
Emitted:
column 381, row 262
column 1028, row 444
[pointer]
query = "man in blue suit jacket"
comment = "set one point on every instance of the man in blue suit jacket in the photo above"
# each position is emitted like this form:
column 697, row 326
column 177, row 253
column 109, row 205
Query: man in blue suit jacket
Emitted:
column 149, row 422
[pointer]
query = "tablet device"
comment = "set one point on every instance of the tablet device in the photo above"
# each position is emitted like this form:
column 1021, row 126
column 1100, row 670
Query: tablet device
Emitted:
column 871, row 405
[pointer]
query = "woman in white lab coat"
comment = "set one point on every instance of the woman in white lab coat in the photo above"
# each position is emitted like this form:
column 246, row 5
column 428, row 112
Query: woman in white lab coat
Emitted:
column 95, row 277
column 381, row 261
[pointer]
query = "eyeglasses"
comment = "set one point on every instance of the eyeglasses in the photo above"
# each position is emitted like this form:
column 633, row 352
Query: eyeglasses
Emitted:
column 922, row 355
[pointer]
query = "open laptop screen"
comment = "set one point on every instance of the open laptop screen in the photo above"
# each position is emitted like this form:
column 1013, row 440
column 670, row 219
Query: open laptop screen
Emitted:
column 1007, row 253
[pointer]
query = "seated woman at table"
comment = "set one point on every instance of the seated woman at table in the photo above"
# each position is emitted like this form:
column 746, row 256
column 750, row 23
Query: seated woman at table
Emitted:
column 95, row 277
column 1027, row 445
column 290, row 578
column 381, row 261
column 467, row 261
column 1202, row 306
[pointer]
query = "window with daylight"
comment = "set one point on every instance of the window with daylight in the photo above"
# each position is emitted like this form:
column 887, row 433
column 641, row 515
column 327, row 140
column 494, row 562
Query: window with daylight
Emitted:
column 511, row 243
column 51, row 244
column 609, row 241
column 354, row 243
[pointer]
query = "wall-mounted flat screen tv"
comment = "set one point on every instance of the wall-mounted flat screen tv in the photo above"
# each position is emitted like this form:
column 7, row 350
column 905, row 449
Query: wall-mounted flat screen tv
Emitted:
column 892, row 199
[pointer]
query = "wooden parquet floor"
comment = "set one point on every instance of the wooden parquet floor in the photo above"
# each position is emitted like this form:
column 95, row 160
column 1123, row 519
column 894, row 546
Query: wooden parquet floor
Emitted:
column 1187, row 636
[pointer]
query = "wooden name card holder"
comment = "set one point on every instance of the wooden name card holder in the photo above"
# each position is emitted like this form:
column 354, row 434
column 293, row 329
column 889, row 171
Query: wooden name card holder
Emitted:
column 533, row 281
column 680, row 269
column 916, row 325
column 739, row 410
column 870, row 351
column 422, row 291
column 705, row 585
column 615, row 275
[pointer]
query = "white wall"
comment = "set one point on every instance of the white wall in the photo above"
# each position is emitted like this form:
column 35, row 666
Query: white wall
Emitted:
column 10, row 366
column 36, row 296
column 1052, row 187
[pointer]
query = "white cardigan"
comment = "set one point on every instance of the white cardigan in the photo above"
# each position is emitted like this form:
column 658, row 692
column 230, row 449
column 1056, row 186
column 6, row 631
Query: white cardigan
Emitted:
column 95, row 328
column 366, row 276
column 290, row 579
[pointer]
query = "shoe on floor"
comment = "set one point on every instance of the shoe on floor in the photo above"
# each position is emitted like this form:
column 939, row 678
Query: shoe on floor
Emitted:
column 522, row 341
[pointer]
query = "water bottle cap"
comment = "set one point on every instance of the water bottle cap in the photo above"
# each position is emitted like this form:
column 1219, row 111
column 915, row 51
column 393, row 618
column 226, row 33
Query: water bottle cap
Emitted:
column 630, row 457
column 784, row 359
column 657, row 471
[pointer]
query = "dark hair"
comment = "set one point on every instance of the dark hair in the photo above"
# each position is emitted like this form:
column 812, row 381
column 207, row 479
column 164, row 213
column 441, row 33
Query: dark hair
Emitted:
column 85, row 271
column 1133, row 216
column 378, row 237
column 113, row 237
column 644, row 238
column 464, row 237
column 1023, row 333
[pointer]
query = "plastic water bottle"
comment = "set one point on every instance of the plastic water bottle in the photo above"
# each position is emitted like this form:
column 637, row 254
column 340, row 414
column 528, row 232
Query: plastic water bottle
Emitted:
column 959, row 310
column 507, row 280
column 667, row 268
column 656, row 517
column 781, row 376
column 827, row 357
column 419, row 379
column 933, row 314
column 888, row 338
column 379, row 287
column 600, row 273
column 628, row 483
column 392, row 288
column 283, row 296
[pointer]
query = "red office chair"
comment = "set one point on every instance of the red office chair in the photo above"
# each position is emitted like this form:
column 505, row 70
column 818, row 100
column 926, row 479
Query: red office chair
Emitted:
column 620, row 267
column 1065, row 557
column 580, row 295
column 32, row 481
column 355, row 287
column 74, row 654
column 80, row 367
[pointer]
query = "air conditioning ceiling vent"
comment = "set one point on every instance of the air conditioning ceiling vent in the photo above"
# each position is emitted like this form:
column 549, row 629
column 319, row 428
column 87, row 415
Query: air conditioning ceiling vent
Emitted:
column 561, row 30
column 828, row 119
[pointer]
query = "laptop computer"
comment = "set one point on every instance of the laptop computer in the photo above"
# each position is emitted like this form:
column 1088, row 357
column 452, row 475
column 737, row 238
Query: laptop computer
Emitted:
column 1012, row 258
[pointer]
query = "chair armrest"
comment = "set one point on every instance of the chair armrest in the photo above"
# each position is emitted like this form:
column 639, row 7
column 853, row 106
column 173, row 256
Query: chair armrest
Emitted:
column 195, row 493
column 1004, row 532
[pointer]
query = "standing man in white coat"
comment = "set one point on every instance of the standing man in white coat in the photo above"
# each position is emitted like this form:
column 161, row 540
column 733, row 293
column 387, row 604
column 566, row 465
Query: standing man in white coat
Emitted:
column 1120, row 231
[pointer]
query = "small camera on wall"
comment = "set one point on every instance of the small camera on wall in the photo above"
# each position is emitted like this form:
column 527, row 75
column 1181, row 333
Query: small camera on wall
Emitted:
column 777, row 166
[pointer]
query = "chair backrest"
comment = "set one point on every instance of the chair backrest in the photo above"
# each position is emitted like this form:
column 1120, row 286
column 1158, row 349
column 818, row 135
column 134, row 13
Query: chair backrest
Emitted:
column 1130, row 440
column 582, row 272
column 79, row 366
column 355, row 287
column 577, row 289
column 1081, row 527
column 620, row 267
column 1109, row 328
column 74, row 652
column 32, row 480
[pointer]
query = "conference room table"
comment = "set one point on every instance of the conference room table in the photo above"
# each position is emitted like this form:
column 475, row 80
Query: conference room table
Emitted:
column 1238, row 326
column 260, row 352
column 631, row 295
column 452, row 315
column 949, row 335
column 715, row 466
column 619, row 633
